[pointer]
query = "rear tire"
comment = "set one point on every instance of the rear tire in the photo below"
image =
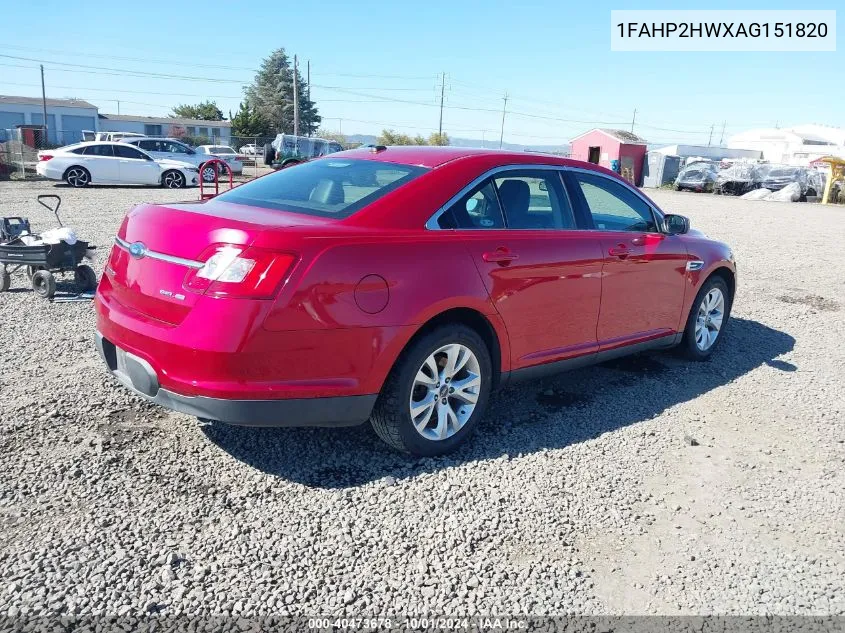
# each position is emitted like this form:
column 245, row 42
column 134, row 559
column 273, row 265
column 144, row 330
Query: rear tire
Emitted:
column 44, row 284
column 392, row 415
column 269, row 154
column 290, row 163
column 699, row 341
column 77, row 177
column 85, row 278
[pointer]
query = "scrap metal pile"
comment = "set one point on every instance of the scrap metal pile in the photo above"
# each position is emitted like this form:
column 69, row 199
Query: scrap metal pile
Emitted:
column 752, row 180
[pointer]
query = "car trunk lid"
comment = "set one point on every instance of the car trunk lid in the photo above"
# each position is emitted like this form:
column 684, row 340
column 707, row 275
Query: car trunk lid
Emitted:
column 158, row 245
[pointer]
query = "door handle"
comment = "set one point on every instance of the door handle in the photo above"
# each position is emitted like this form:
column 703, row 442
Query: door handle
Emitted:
column 620, row 250
column 500, row 256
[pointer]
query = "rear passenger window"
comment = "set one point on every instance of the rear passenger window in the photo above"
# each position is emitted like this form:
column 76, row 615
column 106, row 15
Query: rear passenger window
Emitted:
column 479, row 209
column 99, row 150
column 534, row 199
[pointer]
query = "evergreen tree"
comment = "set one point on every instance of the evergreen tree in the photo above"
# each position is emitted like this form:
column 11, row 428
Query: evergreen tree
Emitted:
column 206, row 111
column 270, row 96
column 249, row 123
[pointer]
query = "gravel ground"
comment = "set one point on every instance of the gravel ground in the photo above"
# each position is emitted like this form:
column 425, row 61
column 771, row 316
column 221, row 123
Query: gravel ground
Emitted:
column 580, row 494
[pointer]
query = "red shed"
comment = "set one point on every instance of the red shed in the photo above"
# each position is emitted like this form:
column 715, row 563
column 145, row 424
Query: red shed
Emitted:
column 621, row 151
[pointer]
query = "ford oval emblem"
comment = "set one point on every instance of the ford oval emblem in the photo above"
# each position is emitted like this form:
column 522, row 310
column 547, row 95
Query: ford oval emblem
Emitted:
column 137, row 250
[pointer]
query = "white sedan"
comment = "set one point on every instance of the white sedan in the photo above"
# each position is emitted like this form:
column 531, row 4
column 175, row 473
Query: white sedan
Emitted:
column 224, row 153
column 113, row 164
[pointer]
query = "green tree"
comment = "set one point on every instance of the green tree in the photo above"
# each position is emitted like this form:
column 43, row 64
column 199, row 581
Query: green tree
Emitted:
column 333, row 136
column 270, row 96
column 389, row 137
column 206, row 111
column 438, row 139
column 249, row 123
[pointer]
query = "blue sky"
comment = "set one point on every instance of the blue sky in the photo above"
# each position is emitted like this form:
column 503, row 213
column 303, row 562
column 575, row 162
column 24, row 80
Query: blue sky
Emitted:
column 552, row 58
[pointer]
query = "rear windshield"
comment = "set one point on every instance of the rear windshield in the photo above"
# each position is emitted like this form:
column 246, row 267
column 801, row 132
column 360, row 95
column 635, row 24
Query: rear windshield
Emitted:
column 221, row 150
column 327, row 187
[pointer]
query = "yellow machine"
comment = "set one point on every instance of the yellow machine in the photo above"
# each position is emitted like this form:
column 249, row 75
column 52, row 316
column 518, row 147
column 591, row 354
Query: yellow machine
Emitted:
column 837, row 172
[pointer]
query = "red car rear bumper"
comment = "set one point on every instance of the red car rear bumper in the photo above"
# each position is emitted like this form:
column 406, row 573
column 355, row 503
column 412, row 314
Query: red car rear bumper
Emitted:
column 242, row 373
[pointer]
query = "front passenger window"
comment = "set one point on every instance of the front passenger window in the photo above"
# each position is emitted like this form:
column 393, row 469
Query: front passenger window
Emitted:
column 613, row 206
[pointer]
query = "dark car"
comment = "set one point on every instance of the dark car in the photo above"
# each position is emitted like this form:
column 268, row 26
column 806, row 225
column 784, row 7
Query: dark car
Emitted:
column 739, row 178
column 778, row 177
column 696, row 177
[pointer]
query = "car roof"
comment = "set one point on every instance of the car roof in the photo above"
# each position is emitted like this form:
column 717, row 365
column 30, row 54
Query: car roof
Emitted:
column 431, row 157
column 149, row 138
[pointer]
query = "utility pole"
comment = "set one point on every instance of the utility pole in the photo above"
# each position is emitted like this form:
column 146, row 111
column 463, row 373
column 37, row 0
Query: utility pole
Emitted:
column 711, row 134
column 504, row 109
column 722, row 137
column 308, row 90
column 442, row 90
column 295, row 98
column 118, row 106
column 633, row 120
column 44, row 105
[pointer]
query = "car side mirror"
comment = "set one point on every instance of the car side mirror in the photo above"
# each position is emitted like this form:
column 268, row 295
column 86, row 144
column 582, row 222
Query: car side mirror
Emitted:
column 676, row 224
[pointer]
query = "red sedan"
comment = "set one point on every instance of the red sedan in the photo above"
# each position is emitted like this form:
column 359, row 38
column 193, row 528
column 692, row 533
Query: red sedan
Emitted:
column 400, row 285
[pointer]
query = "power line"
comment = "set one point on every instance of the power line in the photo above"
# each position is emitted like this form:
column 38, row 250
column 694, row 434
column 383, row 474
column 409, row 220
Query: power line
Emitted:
column 180, row 62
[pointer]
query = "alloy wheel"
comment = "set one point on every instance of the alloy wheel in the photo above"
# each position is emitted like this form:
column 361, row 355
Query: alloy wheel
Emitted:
column 173, row 180
column 77, row 177
column 708, row 323
column 208, row 174
column 445, row 392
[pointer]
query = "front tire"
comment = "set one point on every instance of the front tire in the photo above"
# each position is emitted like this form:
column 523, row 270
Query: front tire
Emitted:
column 77, row 177
column 44, row 284
column 207, row 173
column 173, row 179
column 707, row 320
column 436, row 393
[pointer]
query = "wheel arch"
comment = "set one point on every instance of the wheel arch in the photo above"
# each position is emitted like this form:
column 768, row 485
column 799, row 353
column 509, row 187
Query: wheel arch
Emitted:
column 728, row 276
column 475, row 320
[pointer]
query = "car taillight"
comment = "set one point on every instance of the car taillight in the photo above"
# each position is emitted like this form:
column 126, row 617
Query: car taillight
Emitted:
column 42, row 157
column 233, row 271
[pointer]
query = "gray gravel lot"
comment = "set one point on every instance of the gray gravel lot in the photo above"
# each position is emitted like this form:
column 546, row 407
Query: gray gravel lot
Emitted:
column 579, row 494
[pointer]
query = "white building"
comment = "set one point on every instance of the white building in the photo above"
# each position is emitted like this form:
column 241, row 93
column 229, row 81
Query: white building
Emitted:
column 66, row 118
column 798, row 145
column 715, row 152
column 216, row 131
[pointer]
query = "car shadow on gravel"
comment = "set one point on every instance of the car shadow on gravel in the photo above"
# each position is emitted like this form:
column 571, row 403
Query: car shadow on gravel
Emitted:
column 525, row 418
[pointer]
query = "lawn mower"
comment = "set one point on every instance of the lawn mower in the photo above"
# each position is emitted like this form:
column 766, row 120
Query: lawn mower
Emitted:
column 56, row 251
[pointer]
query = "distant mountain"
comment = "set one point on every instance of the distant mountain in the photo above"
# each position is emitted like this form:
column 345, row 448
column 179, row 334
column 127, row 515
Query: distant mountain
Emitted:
column 369, row 139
